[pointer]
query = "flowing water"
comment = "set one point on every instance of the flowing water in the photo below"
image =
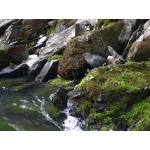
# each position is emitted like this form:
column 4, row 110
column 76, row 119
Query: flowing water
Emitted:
column 26, row 106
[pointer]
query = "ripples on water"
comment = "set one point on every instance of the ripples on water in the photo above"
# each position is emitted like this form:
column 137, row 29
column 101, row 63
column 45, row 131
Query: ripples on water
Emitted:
column 31, row 110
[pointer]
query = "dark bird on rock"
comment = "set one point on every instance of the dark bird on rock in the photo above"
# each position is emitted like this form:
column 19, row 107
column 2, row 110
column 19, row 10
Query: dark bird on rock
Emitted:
column 94, row 60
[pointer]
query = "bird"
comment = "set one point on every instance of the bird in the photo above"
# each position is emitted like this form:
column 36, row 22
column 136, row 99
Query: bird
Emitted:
column 94, row 60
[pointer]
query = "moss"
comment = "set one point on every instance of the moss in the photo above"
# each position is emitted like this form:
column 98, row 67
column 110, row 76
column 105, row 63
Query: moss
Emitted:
column 138, row 116
column 59, row 82
column 104, row 22
column 68, row 22
column 139, row 51
column 121, row 87
column 56, row 56
column 72, row 65
column 52, row 27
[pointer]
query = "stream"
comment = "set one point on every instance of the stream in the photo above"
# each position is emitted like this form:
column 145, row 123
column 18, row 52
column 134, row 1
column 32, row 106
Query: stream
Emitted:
column 26, row 106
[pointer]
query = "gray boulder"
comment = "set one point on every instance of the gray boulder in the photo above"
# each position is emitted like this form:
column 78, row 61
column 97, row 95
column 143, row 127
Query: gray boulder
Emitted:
column 17, row 71
column 140, row 49
column 49, row 71
column 57, row 42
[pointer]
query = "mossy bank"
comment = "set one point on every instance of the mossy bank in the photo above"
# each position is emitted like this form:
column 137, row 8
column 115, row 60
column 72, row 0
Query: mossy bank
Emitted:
column 116, row 94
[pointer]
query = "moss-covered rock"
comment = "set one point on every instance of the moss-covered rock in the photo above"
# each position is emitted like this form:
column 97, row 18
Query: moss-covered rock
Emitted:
column 60, row 98
column 104, row 22
column 119, row 88
column 73, row 65
column 139, row 51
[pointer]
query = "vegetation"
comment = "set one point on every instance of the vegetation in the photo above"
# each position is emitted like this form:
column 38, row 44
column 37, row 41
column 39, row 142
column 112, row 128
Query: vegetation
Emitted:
column 56, row 56
column 121, row 87
column 52, row 27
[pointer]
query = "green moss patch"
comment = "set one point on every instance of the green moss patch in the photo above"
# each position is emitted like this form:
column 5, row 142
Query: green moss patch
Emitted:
column 54, row 57
column 139, row 116
column 52, row 27
column 121, row 87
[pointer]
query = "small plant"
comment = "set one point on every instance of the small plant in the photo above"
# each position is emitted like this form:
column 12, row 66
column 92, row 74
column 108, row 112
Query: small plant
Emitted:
column 56, row 56
column 53, row 26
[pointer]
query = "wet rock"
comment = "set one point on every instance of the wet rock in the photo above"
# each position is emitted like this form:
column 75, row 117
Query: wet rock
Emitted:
column 49, row 71
column 139, row 51
column 17, row 71
column 60, row 98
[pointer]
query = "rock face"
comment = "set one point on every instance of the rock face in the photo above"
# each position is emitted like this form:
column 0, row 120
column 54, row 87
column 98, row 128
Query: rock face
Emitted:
column 139, row 51
column 58, row 42
column 49, row 71
column 18, row 36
